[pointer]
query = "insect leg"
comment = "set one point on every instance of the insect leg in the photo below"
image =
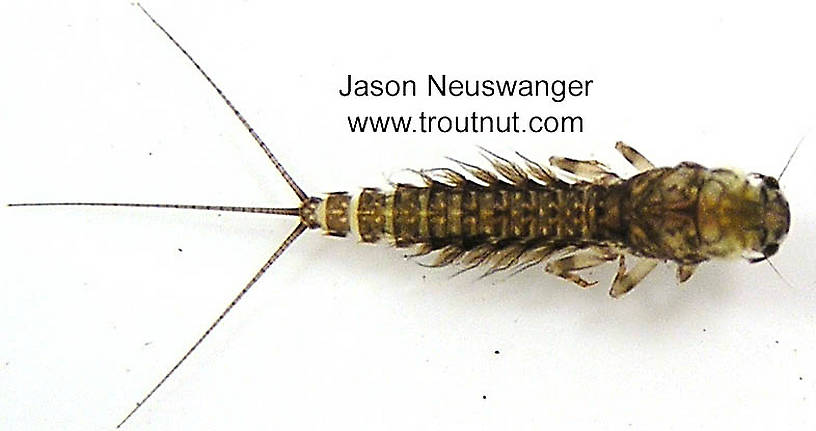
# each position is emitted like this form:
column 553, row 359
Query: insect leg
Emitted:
column 684, row 272
column 634, row 157
column 627, row 280
column 586, row 170
column 566, row 266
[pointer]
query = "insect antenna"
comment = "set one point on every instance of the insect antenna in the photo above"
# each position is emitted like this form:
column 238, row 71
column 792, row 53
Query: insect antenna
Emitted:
column 779, row 178
column 779, row 273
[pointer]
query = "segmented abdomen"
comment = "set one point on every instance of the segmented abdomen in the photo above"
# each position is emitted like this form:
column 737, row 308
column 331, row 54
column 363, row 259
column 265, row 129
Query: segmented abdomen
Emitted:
column 519, row 217
column 471, row 214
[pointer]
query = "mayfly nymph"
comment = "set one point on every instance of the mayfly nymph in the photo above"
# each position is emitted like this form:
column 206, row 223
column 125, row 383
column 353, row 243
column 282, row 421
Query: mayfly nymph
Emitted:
column 517, row 217
column 565, row 216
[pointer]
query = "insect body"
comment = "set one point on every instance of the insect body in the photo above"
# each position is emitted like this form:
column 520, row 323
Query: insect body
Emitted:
column 565, row 217
column 526, row 216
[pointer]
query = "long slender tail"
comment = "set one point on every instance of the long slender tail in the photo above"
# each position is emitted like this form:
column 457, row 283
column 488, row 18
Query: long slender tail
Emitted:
column 299, row 229
column 260, row 210
column 282, row 211
column 286, row 243
column 298, row 191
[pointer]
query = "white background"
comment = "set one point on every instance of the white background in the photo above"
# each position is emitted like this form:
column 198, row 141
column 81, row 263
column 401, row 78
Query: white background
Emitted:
column 97, row 304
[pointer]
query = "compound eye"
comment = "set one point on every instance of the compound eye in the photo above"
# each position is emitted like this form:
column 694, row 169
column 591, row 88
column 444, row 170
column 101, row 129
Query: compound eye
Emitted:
column 770, row 250
column 770, row 182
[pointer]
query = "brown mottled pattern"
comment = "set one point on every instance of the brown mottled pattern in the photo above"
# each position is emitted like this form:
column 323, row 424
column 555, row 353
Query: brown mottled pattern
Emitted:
column 661, row 213
column 441, row 215
column 407, row 214
column 687, row 214
column 371, row 214
column 337, row 209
